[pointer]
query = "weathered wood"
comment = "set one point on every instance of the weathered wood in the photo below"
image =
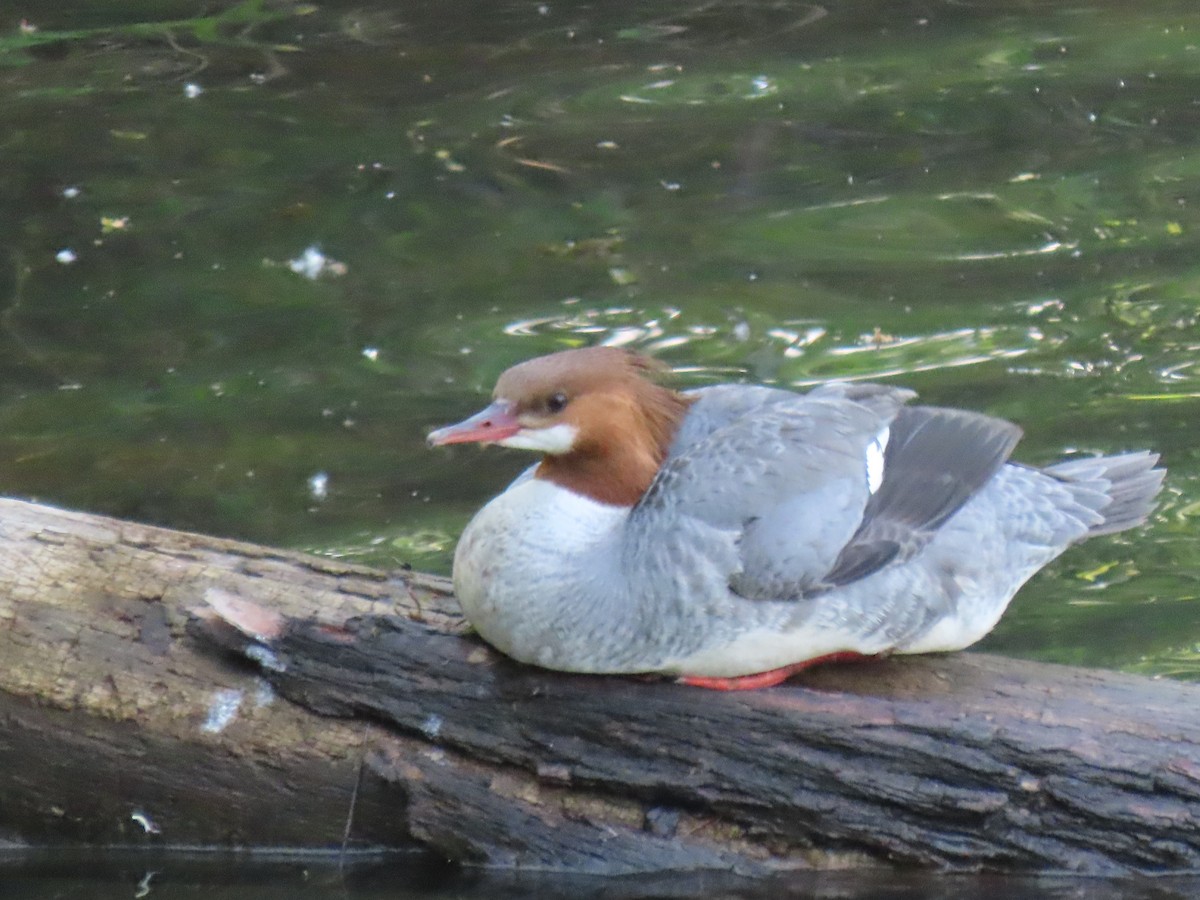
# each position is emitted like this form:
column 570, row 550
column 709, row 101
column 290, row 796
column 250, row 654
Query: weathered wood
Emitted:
column 965, row 761
column 108, row 711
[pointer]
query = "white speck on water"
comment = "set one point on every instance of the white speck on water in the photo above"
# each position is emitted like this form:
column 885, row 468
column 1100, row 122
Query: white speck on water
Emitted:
column 312, row 264
column 146, row 823
column 222, row 710
column 143, row 886
column 318, row 485
column 371, row 353
column 191, row 90
column 71, row 192
column 763, row 86
column 432, row 726
column 741, row 331
column 309, row 264
column 671, row 185
column 66, row 256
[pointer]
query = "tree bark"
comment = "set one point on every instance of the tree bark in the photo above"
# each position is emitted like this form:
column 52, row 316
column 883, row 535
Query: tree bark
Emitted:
column 164, row 688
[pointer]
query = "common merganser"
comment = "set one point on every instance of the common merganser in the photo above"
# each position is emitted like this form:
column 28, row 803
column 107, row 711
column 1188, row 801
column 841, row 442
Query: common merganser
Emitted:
column 732, row 535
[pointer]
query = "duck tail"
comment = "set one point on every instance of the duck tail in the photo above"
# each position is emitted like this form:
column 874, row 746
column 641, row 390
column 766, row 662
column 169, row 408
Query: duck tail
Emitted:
column 1119, row 490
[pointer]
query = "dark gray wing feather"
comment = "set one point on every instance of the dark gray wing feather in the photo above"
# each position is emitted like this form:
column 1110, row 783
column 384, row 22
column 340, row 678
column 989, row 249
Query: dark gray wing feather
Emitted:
column 936, row 460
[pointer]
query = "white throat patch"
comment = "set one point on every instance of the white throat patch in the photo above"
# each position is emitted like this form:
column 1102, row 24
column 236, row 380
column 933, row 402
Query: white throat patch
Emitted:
column 556, row 439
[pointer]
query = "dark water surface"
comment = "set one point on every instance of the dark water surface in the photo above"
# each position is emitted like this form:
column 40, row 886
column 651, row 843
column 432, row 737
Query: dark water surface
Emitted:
column 997, row 203
column 176, row 878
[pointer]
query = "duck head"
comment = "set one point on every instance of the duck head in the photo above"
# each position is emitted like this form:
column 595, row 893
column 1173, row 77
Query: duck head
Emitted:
column 598, row 416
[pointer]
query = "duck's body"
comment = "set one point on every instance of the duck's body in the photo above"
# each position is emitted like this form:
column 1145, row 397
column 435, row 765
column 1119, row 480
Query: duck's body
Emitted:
column 740, row 530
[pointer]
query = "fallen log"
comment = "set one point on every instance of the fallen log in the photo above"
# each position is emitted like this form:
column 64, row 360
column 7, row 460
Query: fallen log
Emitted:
column 169, row 689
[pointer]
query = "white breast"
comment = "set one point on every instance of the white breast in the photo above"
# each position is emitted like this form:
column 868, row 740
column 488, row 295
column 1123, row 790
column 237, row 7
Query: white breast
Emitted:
column 526, row 554
column 541, row 509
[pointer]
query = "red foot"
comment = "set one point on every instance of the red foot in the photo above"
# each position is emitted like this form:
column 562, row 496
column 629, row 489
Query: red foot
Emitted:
column 769, row 678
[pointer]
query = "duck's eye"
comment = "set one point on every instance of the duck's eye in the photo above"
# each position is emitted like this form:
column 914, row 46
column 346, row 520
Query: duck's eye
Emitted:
column 556, row 403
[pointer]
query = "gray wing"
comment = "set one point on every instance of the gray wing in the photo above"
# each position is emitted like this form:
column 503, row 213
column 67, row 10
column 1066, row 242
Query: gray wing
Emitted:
column 936, row 460
column 763, row 487
column 723, row 404
column 772, row 489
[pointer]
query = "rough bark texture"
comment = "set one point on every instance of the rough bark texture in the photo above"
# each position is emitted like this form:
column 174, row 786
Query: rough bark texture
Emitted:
column 108, row 711
column 121, row 708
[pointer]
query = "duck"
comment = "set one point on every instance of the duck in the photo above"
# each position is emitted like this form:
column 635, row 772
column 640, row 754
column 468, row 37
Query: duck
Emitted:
column 731, row 535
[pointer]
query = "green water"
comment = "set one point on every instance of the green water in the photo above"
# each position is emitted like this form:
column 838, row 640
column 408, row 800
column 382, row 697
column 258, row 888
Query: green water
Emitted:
column 997, row 204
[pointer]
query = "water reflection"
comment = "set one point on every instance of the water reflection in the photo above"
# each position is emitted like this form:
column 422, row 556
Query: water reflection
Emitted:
column 414, row 877
column 804, row 353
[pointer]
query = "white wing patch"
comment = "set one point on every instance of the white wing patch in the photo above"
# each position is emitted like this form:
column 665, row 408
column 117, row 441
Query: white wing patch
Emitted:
column 875, row 451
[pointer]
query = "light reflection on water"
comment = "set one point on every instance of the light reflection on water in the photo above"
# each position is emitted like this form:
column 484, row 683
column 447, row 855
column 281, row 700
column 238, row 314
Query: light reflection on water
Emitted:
column 807, row 353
